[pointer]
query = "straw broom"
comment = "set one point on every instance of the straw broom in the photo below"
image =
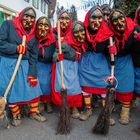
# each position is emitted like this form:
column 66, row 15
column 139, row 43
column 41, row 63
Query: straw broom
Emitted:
column 3, row 100
column 64, row 118
column 102, row 123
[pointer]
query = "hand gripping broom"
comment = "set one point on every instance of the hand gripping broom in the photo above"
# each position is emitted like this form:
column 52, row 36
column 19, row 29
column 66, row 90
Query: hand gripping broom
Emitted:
column 102, row 123
column 64, row 118
column 3, row 100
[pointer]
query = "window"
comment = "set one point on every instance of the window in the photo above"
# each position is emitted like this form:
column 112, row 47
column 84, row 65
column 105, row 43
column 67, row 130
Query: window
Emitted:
column 35, row 3
column 26, row 0
column 43, row 6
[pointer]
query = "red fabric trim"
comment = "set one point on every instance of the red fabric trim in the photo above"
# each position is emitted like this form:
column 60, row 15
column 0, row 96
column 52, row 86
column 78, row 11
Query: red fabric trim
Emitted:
column 27, row 102
column 124, row 96
column 19, row 28
column 94, row 90
column 45, row 98
column 73, row 100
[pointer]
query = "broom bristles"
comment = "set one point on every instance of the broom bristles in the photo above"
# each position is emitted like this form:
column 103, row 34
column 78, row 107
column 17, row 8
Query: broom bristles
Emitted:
column 102, row 123
column 64, row 118
column 2, row 107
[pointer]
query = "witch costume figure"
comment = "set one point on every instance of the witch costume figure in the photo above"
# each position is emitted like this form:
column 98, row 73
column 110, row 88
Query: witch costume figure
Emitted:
column 93, row 67
column 72, row 48
column 46, row 44
column 65, row 25
column 136, row 62
column 106, row 11
column 25, row 88
column 136, row 57
column 123, row 28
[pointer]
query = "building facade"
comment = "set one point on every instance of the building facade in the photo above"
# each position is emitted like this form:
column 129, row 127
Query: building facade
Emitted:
column 11, row 8
column 51, row 11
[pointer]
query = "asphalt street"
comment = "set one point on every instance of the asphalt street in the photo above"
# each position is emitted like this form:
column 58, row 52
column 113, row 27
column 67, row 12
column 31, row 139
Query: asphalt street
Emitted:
column 33, row 130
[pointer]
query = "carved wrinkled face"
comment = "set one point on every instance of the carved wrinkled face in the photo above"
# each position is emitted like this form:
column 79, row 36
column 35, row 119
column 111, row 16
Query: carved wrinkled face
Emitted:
column 64, row 21
column 106, row 13
column 28, row 19
column 118, row 22
column 79, row 33
column 43, row 27
column 95, row 19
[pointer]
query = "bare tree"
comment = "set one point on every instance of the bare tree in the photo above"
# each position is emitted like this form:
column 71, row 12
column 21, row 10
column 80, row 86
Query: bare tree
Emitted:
column 111, row 2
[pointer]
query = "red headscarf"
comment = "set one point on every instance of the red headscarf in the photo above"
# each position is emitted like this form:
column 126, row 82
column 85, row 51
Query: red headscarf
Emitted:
column 102, row 34
column 64, row 34
column 129, row 29
column 49, row 39
column 78, row 46
column 136, row 17
column 19, row 28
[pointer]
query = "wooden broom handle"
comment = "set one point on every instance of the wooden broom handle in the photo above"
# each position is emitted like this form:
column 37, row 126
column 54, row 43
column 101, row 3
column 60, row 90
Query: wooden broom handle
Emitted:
column 60, row 51
column 112, row 57
column 16, row 68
